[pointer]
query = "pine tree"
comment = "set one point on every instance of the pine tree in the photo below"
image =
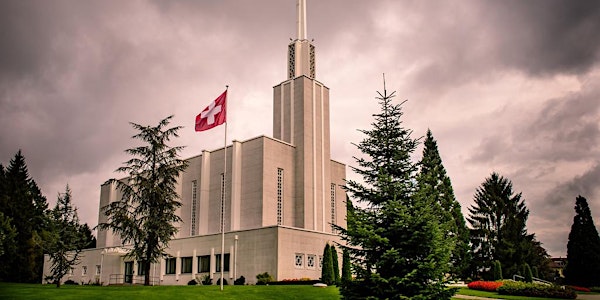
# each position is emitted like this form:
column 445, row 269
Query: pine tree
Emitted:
column 498, row 219
column 398, row 248
column 583, row 248
column 66, row 240
column 22, row 201
column 90, row 239
column 336, row 264
column 146, row 214
column 327, row 275
column 435, row 183
column 497, row 270
column 527, row 273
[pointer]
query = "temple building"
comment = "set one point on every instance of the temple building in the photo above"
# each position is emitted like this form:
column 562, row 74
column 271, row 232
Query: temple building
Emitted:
column 282, row 195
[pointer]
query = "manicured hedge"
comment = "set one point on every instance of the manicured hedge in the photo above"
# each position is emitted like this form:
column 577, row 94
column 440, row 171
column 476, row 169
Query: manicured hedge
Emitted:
column 488, row 286
column 518, row 288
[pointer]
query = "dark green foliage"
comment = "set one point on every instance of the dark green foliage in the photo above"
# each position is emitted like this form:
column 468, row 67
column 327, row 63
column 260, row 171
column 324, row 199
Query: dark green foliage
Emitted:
column 263, row 278
column 583, row 248
column 395, row 239
column 90, row 239
column 192, row 282
column 8, row 233
column 22, row 202
column 206, row 280
column 346, row 266
column 146, row 215
column 435, row 184
column 497, row 270
column 498, row 219
column 240, row 281
column 527, row 273
column 327, row 273
column 535, row 273
column 224, row 281
column 518, row 288
column 336, row 264
column 64, row 240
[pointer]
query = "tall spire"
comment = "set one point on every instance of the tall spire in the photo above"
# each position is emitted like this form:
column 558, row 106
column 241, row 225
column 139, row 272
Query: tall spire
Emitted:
column 301, row 22
column 301, row 53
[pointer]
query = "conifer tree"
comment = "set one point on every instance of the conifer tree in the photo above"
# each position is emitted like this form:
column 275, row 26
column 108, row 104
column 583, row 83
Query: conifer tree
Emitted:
column 498, row 219
column 435, row 183
column 327, row 275
column 335, row 263
column 394, row 236
column 346, row 267
column 66, row 240
column 146, row 214
column 583, row 248
column 22, row 201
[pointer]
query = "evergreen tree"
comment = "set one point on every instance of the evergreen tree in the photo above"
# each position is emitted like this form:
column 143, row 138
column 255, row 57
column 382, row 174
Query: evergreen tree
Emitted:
column 8, row 233
column 397, row 245
column 90, row 239
column 435, row 183
column 498, row 219
column 346, row 267
column 336, row 264
column 22, row 201
column 583, row 248
column 66, row 240
column 497, row 270
column 527, row 273
column 327, row 275
column 146, row 214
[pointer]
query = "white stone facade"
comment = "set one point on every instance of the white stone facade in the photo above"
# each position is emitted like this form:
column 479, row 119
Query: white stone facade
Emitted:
column 282, row 196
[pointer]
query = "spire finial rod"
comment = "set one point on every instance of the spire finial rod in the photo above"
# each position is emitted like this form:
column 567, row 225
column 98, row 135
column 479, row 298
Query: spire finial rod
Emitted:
column 301, row 9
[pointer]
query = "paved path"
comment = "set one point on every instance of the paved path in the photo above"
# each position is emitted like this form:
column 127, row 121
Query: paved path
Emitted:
column 588, row 297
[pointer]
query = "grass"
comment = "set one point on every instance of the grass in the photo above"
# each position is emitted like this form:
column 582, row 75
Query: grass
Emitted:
column 469, row 292
column 18, row 291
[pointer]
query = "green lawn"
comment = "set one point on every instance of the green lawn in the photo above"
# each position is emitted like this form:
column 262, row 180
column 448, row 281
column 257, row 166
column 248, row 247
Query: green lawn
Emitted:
column 67, row 292
column 469, row 292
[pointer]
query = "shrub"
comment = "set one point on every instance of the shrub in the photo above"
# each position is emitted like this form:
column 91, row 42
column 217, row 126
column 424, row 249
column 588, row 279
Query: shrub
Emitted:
column 497, row 270
column 536, row 290
column 71, row 282
column 206, row 280
column 527, row 273
column 264, row 278
column 219, row 281
column 595, row 289
column 240, row 281
column 192, row 282
column 489, row 286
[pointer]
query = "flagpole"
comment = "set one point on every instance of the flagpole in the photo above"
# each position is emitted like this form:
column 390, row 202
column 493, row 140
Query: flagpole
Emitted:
column 223, row 203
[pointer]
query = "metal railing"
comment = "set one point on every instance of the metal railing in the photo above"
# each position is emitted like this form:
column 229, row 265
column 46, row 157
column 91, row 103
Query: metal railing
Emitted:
column 535, row 279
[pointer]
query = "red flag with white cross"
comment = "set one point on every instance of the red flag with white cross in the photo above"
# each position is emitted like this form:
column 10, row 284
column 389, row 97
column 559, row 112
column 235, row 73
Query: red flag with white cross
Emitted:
column 213, row 115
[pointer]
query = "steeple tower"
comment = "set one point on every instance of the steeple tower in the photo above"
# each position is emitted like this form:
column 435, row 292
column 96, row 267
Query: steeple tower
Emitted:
column 301, row 53
column 301, row 118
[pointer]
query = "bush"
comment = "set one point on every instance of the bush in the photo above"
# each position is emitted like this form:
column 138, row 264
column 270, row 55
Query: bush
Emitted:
column 536, row 290
column 206, row 280
column 264, row 278
column 71, row 282
column 595, row 289
column 219, row 281
column 192, row 282
column 489, row 286
column 240, row 281
column 300, row 281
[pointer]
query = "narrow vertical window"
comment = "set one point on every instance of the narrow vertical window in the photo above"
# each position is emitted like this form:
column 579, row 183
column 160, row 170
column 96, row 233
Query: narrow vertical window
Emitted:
column 332, row 205
column 194, row 229
column 279, row 196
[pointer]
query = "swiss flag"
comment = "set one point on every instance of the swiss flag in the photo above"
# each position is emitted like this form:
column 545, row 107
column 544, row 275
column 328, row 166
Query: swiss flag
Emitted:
column 213, row 115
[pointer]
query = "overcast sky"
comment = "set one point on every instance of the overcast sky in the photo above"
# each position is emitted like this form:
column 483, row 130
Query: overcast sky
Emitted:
column 505, row 86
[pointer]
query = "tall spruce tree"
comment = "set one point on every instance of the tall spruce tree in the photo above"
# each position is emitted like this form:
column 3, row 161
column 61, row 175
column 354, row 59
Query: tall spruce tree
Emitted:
column 394, row 236
column 583, row 248
column 65, row 238
column 498, row 220
column 22, row 201
column 146, row 214
column 335, row 263
column 346, row 267
column 435, row 183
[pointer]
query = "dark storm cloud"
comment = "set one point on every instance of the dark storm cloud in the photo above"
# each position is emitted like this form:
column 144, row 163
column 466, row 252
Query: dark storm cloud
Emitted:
column 545, row 37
